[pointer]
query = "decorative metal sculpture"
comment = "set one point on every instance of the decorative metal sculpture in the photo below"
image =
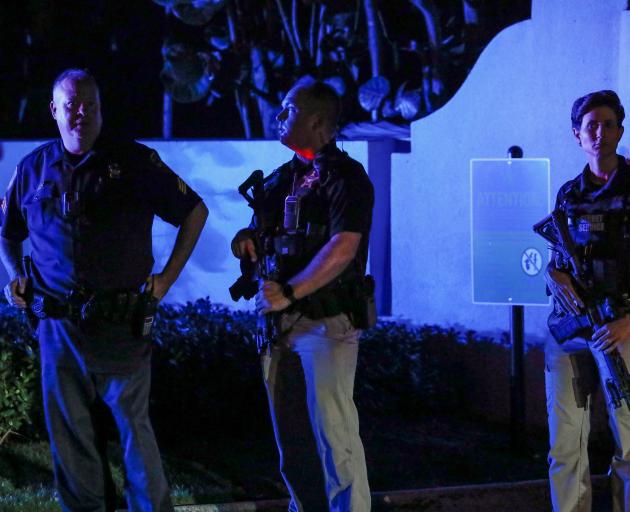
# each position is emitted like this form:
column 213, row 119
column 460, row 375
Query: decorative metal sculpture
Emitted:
column 255, row 50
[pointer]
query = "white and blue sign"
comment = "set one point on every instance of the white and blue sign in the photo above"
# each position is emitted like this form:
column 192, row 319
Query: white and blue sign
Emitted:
column 508, row 196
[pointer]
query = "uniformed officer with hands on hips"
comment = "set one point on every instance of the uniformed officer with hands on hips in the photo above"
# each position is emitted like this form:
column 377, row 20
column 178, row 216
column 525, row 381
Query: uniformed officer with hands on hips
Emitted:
column 321, row 201
column 87, row 202
column 596, row 204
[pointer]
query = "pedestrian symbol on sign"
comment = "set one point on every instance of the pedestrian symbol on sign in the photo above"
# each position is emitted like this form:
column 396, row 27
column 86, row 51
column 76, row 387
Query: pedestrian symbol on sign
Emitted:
column 531, row 262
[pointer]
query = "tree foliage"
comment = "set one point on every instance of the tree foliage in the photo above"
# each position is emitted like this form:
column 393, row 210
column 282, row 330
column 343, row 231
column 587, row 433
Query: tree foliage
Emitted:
column 397, row 60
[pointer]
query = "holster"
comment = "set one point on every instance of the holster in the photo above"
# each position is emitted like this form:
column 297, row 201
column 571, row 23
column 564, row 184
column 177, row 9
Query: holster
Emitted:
column 362, row 311
column 585, row 377
column 354, row 298
column 31, row 319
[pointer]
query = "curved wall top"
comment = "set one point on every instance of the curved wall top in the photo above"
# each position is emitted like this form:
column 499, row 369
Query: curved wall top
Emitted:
column 519, row 92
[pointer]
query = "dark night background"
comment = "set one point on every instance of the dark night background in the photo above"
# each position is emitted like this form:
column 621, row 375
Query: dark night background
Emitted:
column 434, row 400
column 121, row 42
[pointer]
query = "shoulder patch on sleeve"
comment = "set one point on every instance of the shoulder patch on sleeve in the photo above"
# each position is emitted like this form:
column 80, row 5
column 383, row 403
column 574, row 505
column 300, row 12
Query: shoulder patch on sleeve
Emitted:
column 183, row 188
column 3, row 201
column 157, row 162
column 155, row 159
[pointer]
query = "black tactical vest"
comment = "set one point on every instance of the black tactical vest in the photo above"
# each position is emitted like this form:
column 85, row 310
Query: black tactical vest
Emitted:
column 294, row 249
column 599, row 224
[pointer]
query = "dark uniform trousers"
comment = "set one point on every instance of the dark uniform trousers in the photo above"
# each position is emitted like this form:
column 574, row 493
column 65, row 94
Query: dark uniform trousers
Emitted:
column 89, row 227
column 70, row 393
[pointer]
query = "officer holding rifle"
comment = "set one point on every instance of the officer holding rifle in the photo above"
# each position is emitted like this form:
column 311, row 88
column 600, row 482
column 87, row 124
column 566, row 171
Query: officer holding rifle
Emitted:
column 595, row 207
column 312, row 228
column 87, row 202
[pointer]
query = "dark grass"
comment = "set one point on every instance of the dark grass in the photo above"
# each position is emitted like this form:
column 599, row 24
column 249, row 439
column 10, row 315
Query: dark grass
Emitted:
column 401, row 453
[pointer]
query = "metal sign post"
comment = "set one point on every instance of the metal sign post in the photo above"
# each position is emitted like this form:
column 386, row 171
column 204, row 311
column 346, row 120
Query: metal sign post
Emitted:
column 517, row 377
column 507, row 196
column 517, row 359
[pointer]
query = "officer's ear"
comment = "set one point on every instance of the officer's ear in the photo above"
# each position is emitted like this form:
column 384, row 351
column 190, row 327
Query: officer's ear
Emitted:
column 316, row 121
column 53, row 110
column 576, row 134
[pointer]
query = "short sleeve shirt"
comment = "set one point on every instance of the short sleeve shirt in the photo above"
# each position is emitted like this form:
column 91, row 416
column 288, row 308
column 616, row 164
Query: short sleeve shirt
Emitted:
column 89, row 222
column 342, row 199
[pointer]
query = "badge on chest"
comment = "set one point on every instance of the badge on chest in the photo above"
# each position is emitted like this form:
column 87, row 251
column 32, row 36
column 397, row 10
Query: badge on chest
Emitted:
column 114, row 171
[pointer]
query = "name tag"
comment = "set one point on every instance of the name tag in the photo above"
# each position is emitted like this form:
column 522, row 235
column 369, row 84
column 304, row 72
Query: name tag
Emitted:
column 591, row 223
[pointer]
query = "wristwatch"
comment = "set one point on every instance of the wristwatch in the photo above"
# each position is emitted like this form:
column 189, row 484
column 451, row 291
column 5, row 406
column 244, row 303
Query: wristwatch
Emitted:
column 287, row 291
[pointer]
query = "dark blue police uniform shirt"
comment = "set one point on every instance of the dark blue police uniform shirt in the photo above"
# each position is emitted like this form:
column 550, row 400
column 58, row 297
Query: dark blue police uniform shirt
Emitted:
column 107, row 245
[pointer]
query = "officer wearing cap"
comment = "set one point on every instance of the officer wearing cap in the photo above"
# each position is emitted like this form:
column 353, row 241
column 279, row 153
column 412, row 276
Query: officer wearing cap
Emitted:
column 596, row 204
column 86, row 203
column 320, row 205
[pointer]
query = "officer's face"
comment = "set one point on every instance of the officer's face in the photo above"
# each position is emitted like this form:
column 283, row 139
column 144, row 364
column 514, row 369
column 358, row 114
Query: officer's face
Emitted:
column 76, row 106
column 298, row 124
column 599, row 134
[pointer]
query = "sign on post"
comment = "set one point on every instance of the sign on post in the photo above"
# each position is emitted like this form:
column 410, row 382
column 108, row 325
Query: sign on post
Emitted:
column 508, row 196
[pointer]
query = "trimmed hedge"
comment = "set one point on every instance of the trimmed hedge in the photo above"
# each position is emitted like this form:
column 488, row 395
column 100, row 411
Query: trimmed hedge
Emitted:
column 18, row 372
column 206, row 376
column 206, row 373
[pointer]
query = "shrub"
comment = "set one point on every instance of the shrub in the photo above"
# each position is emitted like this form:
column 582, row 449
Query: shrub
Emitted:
column 206, row 372
column 207, row 377
column 418, row 369
column 19, row 375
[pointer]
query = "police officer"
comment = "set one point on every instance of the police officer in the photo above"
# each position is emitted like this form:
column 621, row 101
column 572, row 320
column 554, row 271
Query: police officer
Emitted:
column 86, row 203
column 596, row 203
column 309, row 371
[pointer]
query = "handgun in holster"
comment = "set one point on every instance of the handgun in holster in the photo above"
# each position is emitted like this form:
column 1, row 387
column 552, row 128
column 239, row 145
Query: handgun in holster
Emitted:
column 363, row 314
column 585, row 378
column 31, row 317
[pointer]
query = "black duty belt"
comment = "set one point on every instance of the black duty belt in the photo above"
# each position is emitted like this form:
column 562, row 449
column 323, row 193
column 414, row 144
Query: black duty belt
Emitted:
column 113, row 306
column 350, row 297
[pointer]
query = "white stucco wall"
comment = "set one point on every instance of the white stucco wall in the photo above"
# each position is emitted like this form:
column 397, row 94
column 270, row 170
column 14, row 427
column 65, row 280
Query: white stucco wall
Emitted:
column 520, row 92
column 214, row 169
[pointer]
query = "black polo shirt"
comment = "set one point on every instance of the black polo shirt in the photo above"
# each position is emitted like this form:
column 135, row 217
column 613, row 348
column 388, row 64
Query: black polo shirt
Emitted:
column 340, row 199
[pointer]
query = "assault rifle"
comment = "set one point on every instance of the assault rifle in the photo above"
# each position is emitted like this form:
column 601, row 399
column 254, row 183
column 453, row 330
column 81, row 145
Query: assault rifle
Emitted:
column 264, row 269
column 555, row 229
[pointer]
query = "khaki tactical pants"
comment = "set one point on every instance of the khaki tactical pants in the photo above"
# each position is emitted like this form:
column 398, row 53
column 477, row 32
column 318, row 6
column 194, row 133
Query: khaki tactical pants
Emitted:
column 309, row 376
column 569, row 427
